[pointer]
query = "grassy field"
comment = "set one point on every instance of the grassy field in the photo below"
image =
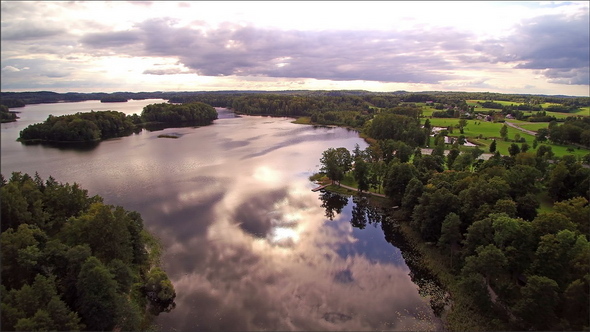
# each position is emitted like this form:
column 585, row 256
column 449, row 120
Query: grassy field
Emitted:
column 427, row 110
column 490, row 131
column 503, row 103
column 303, row 120
column 534, row 126
column 559, row 115
column 583, row 111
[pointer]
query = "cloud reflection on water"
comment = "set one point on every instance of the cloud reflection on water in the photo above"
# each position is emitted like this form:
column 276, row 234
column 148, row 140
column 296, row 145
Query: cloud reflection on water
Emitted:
column 249, row 282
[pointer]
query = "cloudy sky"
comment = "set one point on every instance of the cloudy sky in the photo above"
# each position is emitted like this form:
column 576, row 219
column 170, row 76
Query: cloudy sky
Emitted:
column 508, row 47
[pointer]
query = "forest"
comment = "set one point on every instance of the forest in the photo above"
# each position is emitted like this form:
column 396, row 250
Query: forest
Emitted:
column 95, row 126
column 6, row 115
column 72, row 262
column 511, row 232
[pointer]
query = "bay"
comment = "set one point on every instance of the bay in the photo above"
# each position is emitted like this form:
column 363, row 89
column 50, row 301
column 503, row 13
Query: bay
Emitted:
column 248, row 245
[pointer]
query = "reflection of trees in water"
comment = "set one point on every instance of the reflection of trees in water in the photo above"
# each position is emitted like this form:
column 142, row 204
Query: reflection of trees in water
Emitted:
column 363, row 213
column 428, row 284
column 333, row 203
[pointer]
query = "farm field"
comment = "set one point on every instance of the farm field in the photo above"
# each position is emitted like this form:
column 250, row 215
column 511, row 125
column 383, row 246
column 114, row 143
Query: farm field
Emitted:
column 483, row 133
column 534, row 126
column 472, row 102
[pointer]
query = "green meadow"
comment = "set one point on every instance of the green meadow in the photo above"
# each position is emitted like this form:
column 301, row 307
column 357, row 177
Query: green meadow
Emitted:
column 483, row 133
column 473, row 102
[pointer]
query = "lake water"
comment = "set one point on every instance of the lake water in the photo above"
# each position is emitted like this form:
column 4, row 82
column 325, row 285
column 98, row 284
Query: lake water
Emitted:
column 248, row 245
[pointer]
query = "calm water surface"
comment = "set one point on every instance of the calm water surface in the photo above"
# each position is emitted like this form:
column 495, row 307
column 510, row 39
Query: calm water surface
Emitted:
column 248, row 245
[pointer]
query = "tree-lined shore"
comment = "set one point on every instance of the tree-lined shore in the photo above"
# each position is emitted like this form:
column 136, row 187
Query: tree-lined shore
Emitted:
column 72, row 262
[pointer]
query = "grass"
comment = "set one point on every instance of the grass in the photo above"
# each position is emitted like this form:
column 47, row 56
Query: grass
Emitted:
column 546, row 203
column 427, row 110
column 534, row 126
column 473, row 102
column 491, row 130
column 302, row 120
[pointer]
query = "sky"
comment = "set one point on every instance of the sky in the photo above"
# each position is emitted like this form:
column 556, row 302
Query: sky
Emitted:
column 90, row 46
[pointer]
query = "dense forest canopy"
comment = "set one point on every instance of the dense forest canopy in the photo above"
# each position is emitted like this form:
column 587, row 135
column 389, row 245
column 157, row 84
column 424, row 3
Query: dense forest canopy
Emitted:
column 72, row 262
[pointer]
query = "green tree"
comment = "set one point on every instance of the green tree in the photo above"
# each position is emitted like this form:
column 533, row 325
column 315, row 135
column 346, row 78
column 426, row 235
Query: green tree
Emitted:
column 538, row 303
column 488, row 261
column 412, row 194
column 159, row 287
column 397, row 178
column 453, row 154
column 450, row 233
column 551, row 223
column 526, row 206
column 430, row 213
column 463, row 162
column 504, row 132
column 106, row 233
column 361, row 174
column 493, row 146
column 480, row 233
column 577, row 210
column 462, row 125
column 97, row 296
column 335, row 163
column 513, row 149
column 522, row 180
column 575, row 304
column 542, row 134
column 507, row 206
column 21, row 254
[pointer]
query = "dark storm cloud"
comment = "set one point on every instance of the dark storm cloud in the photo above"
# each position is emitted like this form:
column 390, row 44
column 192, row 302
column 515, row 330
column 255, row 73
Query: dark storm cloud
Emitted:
column 557, row 45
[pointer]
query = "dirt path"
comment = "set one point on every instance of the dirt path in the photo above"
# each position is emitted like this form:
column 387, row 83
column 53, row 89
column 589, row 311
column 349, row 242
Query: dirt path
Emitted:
column 364, row 192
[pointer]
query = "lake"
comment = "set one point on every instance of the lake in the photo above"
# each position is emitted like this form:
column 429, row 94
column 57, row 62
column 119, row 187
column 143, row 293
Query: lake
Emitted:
column 248, row 245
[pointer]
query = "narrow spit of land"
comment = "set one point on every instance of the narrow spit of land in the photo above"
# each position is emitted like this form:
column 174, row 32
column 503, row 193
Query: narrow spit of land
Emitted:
column 323, row 186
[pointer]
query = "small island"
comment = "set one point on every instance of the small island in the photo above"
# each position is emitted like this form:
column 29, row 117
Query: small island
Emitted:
column 85, row 127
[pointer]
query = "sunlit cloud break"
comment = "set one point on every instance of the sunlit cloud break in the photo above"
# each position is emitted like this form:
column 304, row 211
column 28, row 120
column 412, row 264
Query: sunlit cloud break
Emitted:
column 380, row 46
